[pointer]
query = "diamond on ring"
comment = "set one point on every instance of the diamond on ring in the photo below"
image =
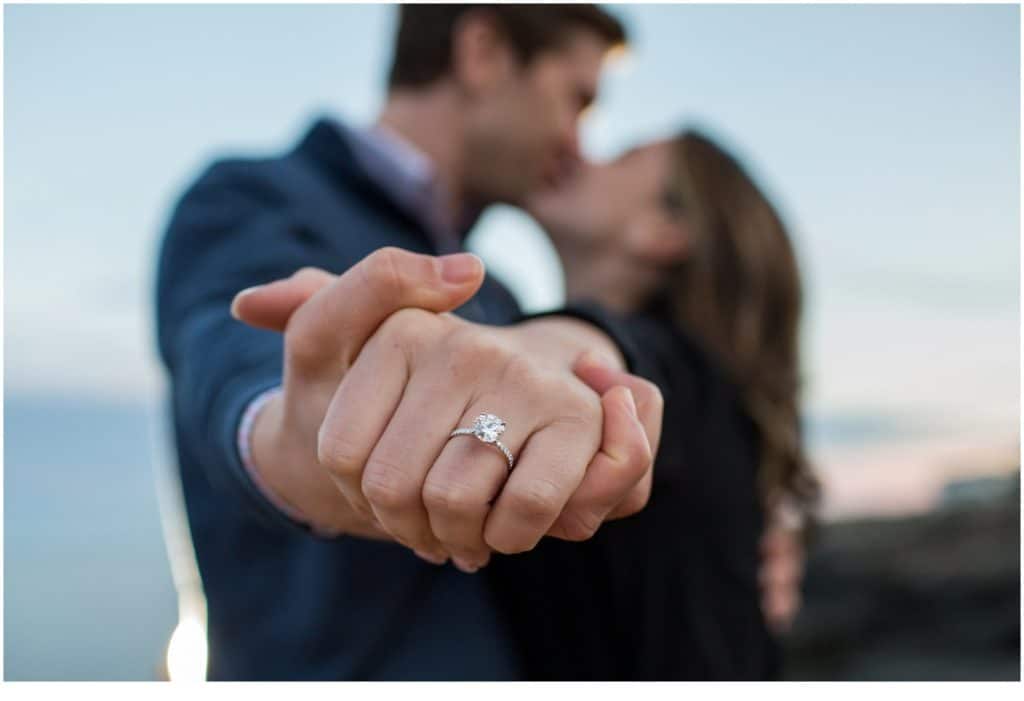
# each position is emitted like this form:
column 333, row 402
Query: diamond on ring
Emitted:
column 488, row 429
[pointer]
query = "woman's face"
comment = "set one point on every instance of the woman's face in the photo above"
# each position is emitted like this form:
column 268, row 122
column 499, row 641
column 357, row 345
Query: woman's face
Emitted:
column 623, row 207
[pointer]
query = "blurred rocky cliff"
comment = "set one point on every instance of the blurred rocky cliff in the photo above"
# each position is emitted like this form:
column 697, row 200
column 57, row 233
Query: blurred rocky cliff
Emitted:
column 928, row 597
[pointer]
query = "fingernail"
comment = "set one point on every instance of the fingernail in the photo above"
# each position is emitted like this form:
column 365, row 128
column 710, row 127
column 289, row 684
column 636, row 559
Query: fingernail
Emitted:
column 432, row 558
column 464, row 565
column 460, row 267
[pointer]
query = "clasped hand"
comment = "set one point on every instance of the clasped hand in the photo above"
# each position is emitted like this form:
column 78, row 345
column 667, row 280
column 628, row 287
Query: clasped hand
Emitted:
column 376, row 376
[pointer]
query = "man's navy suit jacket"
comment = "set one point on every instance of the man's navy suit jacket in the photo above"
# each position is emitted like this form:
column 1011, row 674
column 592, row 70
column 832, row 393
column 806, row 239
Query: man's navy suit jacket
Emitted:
column 284, row 603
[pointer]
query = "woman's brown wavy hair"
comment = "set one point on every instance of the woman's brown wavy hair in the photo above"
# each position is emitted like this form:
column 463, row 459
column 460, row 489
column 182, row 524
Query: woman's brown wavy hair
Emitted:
column 739, row 293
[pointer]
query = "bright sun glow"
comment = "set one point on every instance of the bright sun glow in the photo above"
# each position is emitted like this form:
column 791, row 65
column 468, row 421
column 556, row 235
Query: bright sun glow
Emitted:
column 186, row 652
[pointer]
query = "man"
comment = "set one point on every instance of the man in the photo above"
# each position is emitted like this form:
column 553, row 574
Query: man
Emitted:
column 314, row 467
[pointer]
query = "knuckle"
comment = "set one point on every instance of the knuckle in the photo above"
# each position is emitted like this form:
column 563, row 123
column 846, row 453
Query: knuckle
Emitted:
column 302, row 344
column 386, row 485
column 639, row 458
column 504, row 542
column 338, row 455
column 449, row 498
column 421, row 539
column 536, row 501
column 381, row 270
column 579, row 524
column 301, row 347
column 636, row 501
column 409, row 330
column 577, row 403
column 504, row 546
column 651, row 394
column 520, row 371
column 581, row 411
column 470, row 347
column 404, row 324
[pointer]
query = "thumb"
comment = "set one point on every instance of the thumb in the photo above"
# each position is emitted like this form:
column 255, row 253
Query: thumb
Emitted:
column 330, row 317
column 270, row 306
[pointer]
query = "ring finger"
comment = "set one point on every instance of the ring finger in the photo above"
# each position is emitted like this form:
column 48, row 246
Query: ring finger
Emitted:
column 464, row 480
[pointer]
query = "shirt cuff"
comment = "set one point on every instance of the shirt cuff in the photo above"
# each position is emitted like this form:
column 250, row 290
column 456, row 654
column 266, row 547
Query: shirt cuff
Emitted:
column 245, row 426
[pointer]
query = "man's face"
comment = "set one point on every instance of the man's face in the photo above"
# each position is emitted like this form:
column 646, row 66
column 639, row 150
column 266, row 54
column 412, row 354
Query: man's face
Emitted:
column 603, row 202
column 522, row 134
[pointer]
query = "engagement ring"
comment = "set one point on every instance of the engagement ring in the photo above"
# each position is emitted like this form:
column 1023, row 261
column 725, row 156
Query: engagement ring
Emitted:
column 488, row 428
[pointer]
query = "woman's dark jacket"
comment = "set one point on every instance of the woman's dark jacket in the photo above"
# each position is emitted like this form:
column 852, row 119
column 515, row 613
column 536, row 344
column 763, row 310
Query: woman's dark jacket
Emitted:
column 670, row 593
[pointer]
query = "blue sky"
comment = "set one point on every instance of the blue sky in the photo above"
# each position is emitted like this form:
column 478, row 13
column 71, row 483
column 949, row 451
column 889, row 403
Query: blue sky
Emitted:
column 888, row 135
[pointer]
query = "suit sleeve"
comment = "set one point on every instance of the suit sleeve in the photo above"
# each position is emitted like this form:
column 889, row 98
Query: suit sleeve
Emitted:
column 227, row 233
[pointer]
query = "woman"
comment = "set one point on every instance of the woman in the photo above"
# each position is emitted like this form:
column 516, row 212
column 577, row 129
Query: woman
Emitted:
column 676, row 237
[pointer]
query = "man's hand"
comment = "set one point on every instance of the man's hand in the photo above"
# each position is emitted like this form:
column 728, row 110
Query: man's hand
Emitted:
column 325, row 334
column 384, row 440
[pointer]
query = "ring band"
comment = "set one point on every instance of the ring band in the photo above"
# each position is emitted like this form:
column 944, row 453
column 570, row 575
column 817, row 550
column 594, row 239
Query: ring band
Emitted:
column 488, row 428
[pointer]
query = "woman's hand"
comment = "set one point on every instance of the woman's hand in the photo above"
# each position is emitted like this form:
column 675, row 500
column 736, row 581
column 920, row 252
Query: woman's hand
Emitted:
column 385, row 437
column 382, row 436
column 782, row 561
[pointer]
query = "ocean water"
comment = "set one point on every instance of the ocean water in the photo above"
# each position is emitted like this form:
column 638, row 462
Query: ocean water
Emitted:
column 88, row 593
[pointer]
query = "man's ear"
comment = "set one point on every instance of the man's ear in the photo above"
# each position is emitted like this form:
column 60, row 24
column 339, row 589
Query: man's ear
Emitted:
column 481, row 57
column 660, row 241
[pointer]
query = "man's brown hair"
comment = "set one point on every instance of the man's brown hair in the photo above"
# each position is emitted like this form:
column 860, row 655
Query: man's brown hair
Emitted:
column 423, row 45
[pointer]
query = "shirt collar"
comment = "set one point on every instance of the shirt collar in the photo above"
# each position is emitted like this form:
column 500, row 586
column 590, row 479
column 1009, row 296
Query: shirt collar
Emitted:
column 409, row 176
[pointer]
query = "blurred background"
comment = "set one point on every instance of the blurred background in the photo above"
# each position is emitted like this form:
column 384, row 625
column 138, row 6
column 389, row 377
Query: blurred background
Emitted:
column 889, row 135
